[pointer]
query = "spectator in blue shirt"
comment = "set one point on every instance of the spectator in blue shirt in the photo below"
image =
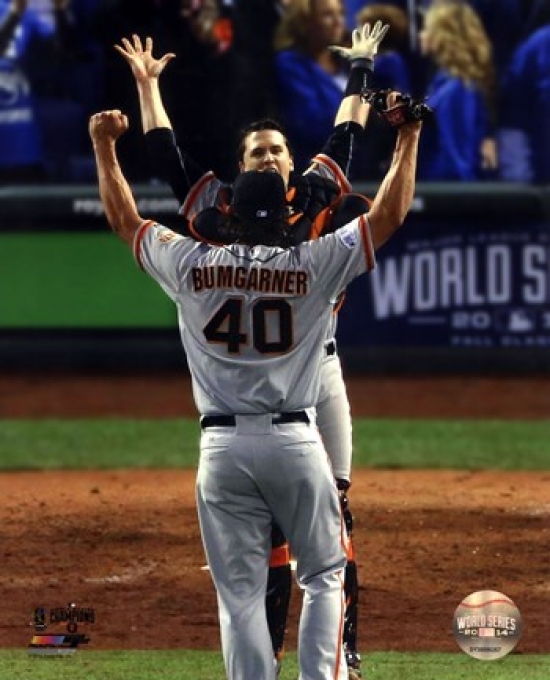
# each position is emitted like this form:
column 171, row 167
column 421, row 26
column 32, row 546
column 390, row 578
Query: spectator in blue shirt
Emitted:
column 525, row 104
column 503, row 23
column 21, row 31
column 460, row 145
column 310, row 78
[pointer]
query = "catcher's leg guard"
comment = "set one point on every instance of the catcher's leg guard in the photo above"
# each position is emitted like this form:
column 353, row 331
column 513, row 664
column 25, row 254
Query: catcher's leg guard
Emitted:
column 351, row 586
column 279, row 584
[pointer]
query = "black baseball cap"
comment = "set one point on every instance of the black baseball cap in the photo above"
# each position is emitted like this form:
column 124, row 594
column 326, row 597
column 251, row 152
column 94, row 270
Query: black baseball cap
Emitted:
column 259, row 197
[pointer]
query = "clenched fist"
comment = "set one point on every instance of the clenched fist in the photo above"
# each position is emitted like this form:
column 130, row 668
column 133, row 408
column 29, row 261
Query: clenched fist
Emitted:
column 107, row 125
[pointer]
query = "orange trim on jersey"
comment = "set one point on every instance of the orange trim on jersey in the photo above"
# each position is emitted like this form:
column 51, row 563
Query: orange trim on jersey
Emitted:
column 336, row 170
column 290, row 194
column 138, row 238
column 294, row 218
column 198, row 237
column 319, row 223
column 367, row 243
column 194, row 233
column 339, row 645
column 195, row 191
column 344, row 538
column 339, row 303
column 350, row 551
column 280, row 556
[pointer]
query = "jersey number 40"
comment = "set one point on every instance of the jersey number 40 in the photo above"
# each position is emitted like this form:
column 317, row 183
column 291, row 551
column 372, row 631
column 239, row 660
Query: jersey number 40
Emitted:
column 271, row 326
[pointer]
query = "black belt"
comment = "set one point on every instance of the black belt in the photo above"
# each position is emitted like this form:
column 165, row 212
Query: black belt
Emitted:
column 330, row 349
column 278, row 419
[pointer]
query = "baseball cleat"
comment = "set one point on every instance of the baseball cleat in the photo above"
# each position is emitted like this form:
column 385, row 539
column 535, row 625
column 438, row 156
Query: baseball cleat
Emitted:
column 353, row 661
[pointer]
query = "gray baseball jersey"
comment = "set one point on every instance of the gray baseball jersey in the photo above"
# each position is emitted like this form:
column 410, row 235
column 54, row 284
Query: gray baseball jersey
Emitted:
column 253, row 319
column 208, row 192
column 252, row 322
column 333, row 408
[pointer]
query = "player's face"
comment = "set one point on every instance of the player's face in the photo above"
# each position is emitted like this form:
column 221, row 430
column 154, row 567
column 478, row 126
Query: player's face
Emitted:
column 266, row 150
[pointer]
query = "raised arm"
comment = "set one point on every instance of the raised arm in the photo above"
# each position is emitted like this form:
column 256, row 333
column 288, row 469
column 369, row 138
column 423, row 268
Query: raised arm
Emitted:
column 116, row 196
column 352, row 115
column 396, row 192
column 146, row 70
column 169, row 162
column 361, row 55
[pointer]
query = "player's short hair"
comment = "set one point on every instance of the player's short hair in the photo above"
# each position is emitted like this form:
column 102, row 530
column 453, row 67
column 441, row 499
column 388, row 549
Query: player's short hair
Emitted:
column 258, row 126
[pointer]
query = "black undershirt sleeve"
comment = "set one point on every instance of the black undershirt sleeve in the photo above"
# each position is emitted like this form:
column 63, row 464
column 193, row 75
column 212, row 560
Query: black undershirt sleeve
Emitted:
column 170, row 164
column 341, row 144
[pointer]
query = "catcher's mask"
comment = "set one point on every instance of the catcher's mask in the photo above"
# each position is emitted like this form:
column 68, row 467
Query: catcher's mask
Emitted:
column 259, row 203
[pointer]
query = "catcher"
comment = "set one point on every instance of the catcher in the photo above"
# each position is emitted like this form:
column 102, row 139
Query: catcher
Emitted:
column 318, row 202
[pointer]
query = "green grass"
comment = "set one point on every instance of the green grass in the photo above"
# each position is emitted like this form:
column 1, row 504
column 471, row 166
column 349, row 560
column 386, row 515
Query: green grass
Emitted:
column 196, row 665
column 101, row 444
column 480, row 444
column 383, row 443
column 114, row 443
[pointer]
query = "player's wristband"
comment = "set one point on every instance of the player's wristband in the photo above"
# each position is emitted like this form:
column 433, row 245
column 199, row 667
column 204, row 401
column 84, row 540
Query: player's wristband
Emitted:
column 359, row 77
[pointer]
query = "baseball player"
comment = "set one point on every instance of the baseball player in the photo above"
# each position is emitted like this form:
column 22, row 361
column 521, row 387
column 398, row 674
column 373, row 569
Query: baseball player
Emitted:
column 252, row 321
column 319, row 201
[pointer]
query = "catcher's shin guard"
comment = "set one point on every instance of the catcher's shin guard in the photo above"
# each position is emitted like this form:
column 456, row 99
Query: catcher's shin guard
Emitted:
column 351, row 583
column 279, row 584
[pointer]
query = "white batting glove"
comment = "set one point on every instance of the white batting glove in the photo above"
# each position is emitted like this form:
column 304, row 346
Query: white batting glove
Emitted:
column 364, row 42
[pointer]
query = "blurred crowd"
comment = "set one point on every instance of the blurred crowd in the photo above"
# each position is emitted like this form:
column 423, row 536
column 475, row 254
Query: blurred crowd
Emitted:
column 482, row 65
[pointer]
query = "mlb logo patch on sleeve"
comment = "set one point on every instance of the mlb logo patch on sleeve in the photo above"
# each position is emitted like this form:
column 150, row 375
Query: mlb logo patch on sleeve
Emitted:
column 349, row 236
column 165, row 235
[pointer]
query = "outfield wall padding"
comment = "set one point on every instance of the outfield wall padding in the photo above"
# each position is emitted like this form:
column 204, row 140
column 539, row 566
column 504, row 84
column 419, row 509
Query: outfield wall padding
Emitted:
column 463, row 287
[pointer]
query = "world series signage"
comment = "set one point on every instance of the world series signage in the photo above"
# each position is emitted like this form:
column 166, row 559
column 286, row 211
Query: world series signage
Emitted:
column 454, row 283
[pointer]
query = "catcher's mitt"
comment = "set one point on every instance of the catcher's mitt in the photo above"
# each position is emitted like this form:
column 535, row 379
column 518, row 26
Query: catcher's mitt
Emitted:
column 406, row 110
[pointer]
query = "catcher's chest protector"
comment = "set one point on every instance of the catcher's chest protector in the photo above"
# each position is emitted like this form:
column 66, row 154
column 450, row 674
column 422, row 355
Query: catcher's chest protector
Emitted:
column 309, row 200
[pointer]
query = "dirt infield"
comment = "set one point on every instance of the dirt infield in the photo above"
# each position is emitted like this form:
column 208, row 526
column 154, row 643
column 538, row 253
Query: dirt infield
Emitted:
column 127, row 543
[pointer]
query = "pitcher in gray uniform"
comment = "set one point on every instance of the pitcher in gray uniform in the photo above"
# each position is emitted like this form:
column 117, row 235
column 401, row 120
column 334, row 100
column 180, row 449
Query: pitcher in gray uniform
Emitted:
column 319, row 200
column 253, row 317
